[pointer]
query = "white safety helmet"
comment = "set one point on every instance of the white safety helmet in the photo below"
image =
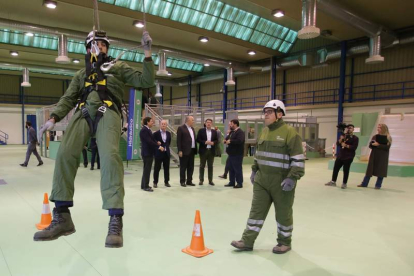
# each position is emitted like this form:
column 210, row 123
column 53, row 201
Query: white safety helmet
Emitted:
column 99, row 35
column 275, row 104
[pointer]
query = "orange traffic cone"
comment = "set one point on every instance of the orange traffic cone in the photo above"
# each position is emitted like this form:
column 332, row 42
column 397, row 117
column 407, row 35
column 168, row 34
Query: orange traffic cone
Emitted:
column 197, row 248
column 46, row 217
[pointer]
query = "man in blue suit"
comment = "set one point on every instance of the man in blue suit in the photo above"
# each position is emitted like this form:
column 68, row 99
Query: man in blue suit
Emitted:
column 148, row 148
column 162, row 157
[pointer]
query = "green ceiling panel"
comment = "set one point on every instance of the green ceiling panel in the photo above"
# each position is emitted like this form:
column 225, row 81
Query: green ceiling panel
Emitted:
column 291, row 37
column 238, row 16
column 193, row 18
column 233, row 29
column 76, row 47
column 214, row 15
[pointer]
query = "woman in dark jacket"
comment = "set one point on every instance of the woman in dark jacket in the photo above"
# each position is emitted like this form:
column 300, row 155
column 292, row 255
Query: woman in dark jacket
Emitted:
column 378, row 160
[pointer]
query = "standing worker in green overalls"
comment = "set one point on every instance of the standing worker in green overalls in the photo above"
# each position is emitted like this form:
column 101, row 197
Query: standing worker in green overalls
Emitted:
column 98, row 114
column 278, row 165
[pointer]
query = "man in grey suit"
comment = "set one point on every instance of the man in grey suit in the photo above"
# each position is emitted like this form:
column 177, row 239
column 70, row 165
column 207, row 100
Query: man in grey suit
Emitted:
column 31, row 148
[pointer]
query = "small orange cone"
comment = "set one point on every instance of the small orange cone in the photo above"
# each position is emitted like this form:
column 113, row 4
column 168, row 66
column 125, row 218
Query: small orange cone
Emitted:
column 46, row 217
column 197, row 248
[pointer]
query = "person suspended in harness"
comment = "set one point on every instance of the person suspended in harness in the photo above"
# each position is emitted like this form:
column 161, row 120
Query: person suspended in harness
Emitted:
column 98, row 115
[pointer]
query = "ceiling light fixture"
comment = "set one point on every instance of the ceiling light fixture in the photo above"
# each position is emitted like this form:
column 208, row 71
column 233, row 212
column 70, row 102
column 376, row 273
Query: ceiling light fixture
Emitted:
column 251, row 52
column 169, row 74
column 76, row 60
column 14, row 53
column 29, row 34
column 50, row 4
column 206, row 64
column 138, row 23
column 203, row 39
column 278, row 13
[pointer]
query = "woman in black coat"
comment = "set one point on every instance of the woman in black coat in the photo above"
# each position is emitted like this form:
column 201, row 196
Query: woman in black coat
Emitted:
column 378, row 159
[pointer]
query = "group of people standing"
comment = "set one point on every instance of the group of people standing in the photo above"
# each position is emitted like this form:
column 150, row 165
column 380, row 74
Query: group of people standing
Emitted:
column 189, row 144
column 378, row 160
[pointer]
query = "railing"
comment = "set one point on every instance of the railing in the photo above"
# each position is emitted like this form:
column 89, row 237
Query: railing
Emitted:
column 374, row 92
column 4, row 137
column 37, row 100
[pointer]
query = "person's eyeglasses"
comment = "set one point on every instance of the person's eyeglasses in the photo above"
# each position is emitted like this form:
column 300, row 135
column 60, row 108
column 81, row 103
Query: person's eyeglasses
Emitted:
column 268, row 112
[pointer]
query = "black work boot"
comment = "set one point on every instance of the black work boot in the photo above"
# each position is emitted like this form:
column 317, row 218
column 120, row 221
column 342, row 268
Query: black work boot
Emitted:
column 62, row 225
column 114, row 238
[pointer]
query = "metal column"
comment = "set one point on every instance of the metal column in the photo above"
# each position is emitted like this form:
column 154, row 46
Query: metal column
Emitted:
column 284, row 92
column 199, row 94
column 342, row 78
column 189, row 91
column 22, row 101
column 235, row 94
column 225, row 91
column 162, row 93
column 351, row 84
column 170, row 95
column 273, row 79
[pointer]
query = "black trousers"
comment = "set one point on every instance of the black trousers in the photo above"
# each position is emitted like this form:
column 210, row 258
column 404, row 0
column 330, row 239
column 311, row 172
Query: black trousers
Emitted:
column 208, row 157
column 31, row 148
column 85, row 157
column 95, row 154
column 147, row 171
column 165, row 161
column 337, row 167
column 236, row 169
column 187, row 164
column 227, row 168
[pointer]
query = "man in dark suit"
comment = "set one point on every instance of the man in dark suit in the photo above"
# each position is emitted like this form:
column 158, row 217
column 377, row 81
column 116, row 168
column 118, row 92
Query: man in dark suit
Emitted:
column 162, row 157
column 31, row 148
column 148, row 148
column 207, row 138
column 187, row 149
column 235, row 150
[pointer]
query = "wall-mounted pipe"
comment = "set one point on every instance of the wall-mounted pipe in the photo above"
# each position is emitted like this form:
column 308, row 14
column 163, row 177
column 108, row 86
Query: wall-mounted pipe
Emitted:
column 162, row 65
column 374, row 50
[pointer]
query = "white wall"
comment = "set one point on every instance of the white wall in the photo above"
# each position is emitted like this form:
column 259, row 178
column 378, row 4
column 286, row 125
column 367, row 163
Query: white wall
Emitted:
column 11, row 122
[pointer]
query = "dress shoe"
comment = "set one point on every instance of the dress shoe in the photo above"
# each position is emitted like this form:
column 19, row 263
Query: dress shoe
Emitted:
column 229, row 185
column 23, row 165
column 238, row 187
column 40, row 163
column 149, row 189
column 92, row 168
column 190, row 184
column 201, row 183
column 223, row 176
column 167, row 185
column 85, row 165
column 361, row 185
column 211, row 183
column 155, row 185
column 183, row 185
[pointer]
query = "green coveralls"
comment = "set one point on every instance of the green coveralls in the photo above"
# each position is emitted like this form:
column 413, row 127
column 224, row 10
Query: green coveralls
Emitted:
column 107, row 135
column 279, row 155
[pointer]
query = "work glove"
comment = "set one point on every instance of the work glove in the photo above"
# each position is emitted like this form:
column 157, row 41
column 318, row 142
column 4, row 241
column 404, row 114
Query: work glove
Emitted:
column 288, row 184
column 47, row 126
column 146, row 41
column 252, row 176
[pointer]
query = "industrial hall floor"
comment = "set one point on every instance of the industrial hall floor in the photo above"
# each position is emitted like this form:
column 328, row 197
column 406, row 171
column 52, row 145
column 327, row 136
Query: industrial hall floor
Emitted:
column 355, row 231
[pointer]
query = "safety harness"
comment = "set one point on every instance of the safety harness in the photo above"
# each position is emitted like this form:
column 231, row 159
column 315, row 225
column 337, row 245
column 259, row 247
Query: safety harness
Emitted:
column 96, row 81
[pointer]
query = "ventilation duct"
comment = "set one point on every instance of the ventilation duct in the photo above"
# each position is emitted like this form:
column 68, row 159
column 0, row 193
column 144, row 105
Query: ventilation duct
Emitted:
column 63, row 50
column 374, row 50
column 230, row 77
column 26, row 81
column 309, row 29
column 162, row 66
column 158, row 91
